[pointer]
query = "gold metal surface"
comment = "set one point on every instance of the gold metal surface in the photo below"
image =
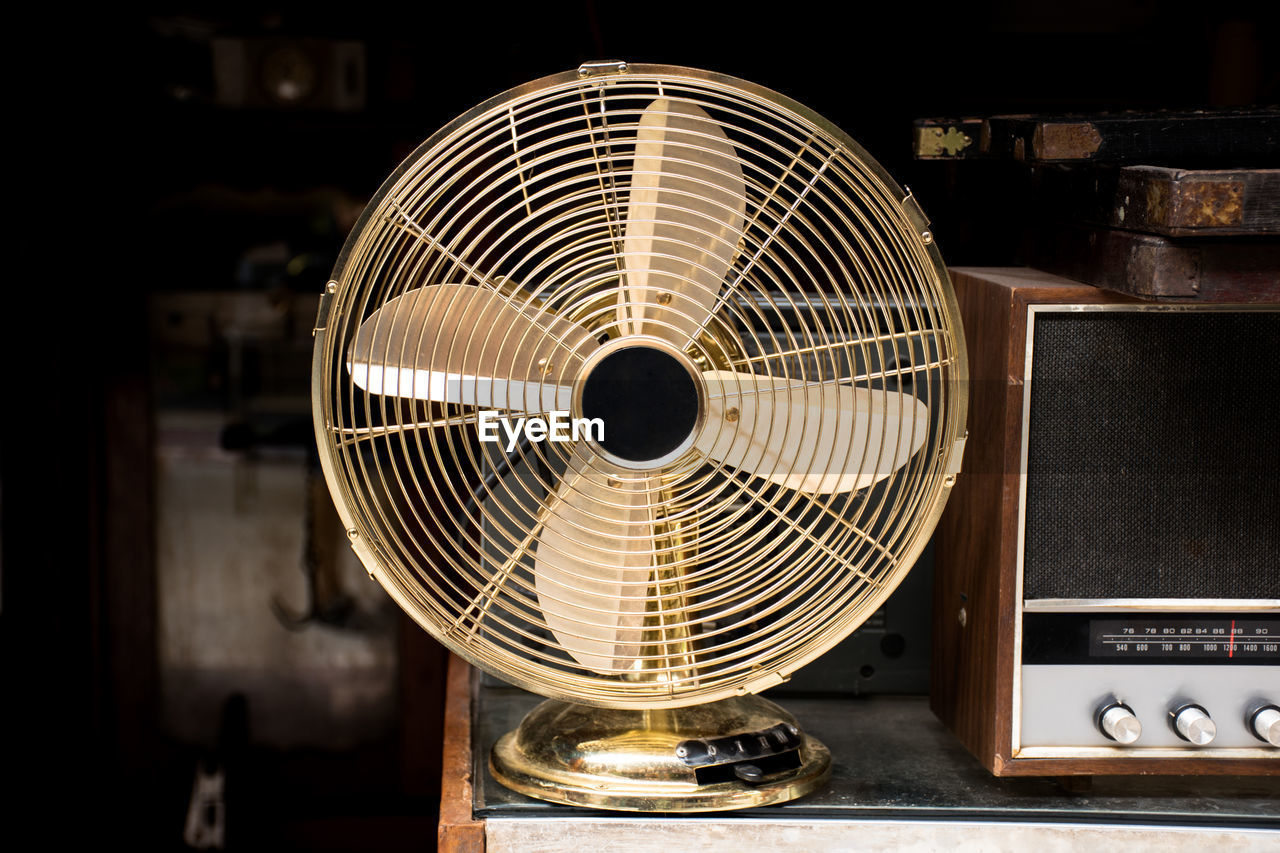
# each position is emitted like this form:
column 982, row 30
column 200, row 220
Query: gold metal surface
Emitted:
column 627, row 761
column 935, row 142
column 744, row 231
column 683, row 223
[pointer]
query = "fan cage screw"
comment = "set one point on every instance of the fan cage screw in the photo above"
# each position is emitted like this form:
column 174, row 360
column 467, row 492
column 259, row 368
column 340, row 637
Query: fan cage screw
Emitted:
column 590, row 69
column 681, row 752
column 546, row 366
column 926, row 237
column 731, row 415
column 664, row 298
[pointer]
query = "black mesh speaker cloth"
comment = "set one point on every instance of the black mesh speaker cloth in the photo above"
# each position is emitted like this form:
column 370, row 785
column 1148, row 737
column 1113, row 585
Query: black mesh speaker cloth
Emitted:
column 1154, row 455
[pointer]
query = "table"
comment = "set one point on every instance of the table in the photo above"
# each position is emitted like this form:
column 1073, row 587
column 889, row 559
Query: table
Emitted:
column 899, row 781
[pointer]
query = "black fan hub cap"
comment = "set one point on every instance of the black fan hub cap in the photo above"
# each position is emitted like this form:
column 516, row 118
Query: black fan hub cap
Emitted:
column 647, row 399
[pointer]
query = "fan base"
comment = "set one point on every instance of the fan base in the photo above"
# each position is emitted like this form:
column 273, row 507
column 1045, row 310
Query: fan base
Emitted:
column 627, row 760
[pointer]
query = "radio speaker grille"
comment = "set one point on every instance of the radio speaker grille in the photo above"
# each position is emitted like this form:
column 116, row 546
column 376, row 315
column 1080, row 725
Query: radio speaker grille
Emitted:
column 1154, row 455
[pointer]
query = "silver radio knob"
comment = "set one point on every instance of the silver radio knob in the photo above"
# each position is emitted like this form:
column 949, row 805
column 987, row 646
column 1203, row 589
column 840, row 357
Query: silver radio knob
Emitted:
column 1192, row 723
column 1118, row 722
column 1265, row 724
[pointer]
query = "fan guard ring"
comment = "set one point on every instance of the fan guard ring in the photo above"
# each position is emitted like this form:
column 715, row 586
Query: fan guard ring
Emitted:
column 806, row 287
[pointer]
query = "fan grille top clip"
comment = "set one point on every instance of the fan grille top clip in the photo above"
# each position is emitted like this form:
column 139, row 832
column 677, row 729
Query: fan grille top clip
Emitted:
column 640, row 388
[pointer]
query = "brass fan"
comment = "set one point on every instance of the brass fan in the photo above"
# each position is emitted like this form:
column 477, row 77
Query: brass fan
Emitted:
column 640, row 387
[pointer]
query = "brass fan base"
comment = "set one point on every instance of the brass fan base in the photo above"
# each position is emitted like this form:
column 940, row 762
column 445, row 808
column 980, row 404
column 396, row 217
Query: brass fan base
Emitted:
column 732, row 754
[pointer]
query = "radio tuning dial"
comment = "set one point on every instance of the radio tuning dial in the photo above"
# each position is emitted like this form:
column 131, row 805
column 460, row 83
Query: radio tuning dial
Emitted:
column 1118, row 722
column 1265, row 724
column 1192, row 723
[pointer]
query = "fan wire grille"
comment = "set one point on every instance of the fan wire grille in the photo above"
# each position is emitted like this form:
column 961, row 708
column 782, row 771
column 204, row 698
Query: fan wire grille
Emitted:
column 830, row 284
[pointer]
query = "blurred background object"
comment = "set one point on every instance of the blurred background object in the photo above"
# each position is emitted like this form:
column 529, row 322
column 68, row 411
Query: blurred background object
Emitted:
column 257, row 591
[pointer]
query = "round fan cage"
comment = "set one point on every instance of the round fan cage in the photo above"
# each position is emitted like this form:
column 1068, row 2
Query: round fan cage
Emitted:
column 723, row 571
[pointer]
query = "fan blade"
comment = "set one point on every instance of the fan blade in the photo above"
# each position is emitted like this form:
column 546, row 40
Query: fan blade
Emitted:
column 684, row 220
column 815, row 437
column 594, row 562
column 458, row 343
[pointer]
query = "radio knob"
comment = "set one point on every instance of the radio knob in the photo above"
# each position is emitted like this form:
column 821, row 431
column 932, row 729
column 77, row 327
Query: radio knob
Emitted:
column 1265, row 724
column 1118, row 722
column 1192, row 723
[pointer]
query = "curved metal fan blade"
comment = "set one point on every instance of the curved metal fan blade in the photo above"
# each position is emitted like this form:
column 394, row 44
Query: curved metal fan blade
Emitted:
column 594, row 562
column 684, row 220
column 814, row 437
column 459, row 343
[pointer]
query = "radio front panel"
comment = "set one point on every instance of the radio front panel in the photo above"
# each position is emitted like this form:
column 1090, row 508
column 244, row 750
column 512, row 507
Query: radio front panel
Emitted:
column 1147, row 667
column 1147, row 496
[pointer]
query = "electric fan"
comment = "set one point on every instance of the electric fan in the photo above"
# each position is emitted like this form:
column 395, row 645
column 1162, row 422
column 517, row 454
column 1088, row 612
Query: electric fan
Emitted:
column 640, row 387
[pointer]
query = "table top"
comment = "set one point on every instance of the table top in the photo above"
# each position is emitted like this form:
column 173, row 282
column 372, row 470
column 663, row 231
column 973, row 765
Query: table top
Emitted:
column 893, row 760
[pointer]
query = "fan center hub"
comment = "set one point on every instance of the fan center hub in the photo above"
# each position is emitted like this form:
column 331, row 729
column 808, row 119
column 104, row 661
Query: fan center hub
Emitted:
column 649, row 401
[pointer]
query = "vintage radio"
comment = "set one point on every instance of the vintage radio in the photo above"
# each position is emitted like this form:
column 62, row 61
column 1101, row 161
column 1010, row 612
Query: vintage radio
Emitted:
column 1108, row 570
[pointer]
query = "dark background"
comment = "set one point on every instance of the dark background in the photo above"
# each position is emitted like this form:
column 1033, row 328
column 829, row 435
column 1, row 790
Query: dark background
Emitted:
column 158, row 188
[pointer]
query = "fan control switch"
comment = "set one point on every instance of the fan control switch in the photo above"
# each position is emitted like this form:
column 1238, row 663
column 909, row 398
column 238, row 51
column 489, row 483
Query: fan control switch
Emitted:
column 1118, row 722
column 748, row 757
column 1193, row 724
